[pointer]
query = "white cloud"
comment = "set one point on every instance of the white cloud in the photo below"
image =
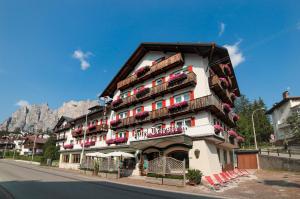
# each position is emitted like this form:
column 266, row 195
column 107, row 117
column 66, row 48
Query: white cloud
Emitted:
column 22, row 103
column 83, row 58
column 235, row 53
column 222, row 28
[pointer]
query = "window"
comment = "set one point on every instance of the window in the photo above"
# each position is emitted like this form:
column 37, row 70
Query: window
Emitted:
column 182, row 97
column 66, row 158
column 176, row 72
column 183, row 123
column 139, row 134
column 139, row 88
column 123, row 95
column 159, row 104
column 123, row 115
column 75, row 158
column 158, row 81
column 121, row 134
column 139, row 109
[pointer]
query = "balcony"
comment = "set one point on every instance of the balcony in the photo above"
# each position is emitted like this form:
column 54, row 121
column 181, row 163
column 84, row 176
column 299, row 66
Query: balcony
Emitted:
column 216, row 86
column 209, row 102
column 158, row 90
column 61, row 138
column 91, row 130
column 172, row 61
column 62, row 128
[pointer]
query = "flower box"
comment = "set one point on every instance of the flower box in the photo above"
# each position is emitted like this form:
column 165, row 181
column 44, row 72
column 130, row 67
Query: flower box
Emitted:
column 165, row 132
column 142, row 71
column 226, row 107
column 117, row 102
column 240, row 139
column 120, row 140
column 235, row 117
column 68, row 146
column 142, row 115
column 115, row 122
column 88, row 144
column 175, row 78
column 232, row 133
column 224, row 82
column 227, row 69
column 93, row 126
column 110, row 141
column 142, row 92
column 218, row 128
column 178, row 105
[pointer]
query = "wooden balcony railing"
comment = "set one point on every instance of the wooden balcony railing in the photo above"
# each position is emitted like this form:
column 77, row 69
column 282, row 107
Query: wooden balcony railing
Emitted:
column 209, row 102
column 98, row 129
column 159, row 90
column 215, row 85
column 62, row 128
column 155, row 69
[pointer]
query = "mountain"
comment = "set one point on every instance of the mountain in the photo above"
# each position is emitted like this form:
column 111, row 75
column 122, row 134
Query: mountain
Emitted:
column 35, row 118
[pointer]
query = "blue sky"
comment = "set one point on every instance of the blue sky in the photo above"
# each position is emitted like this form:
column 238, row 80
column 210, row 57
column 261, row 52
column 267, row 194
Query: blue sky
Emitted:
column 38, row 40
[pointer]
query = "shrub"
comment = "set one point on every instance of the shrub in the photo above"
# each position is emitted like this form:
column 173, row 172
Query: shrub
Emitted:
column 194, row 176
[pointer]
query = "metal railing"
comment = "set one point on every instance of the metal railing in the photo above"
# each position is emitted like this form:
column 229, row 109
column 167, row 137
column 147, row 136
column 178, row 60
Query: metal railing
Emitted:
column 280, row 152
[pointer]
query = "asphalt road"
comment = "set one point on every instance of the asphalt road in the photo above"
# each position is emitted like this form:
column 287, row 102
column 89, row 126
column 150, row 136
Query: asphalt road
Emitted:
column 26, row 181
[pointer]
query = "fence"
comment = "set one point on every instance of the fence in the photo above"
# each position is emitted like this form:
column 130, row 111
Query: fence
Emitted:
column 167, row 165
column 280, row 152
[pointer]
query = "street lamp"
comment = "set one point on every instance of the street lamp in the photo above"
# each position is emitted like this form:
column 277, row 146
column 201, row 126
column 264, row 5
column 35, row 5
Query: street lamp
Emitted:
column 254, row 134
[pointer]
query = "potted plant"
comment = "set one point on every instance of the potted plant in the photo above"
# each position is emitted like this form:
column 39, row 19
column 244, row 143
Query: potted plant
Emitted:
column 117, row 102
column 194, row 176
column 175, row 78
column 142, row 71
column 142, row 92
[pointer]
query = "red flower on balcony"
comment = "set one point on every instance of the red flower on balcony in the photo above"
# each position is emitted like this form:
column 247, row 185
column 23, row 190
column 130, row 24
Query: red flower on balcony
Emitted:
column 142, row 71
column 224, row 82
column 227, row 69
column 142, row 92
column 115, row 122
column 175, row 78
column 92, row 126
column 68, row 146
column 110, row 141
column 226, row 107
column 142, row 115
column 117, row 102
column 88, row 144
column 240, row 138
column 165, row 132
column 218, row 128
column 178, row 105
column 235, row 117
column 232, row 133
column 120, row 140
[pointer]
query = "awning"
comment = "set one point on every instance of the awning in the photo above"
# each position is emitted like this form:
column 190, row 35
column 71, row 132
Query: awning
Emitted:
column 162, row 142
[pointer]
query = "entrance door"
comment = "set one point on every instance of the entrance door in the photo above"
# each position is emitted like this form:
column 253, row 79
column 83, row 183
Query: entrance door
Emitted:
column 247, row 161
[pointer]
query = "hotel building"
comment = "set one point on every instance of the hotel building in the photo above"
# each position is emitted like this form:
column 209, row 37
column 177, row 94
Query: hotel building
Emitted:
column 169, row 99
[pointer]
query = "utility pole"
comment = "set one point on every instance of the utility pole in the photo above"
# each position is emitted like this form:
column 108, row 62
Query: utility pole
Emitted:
column 33, row 147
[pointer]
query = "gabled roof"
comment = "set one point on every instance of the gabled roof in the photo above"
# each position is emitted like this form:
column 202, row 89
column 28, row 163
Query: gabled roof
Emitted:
column 210, row 50
column 283, row 101
column 61, row 120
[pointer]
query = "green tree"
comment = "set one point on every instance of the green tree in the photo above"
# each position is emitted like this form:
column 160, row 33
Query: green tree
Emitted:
column 294, row 122
column 50, row 149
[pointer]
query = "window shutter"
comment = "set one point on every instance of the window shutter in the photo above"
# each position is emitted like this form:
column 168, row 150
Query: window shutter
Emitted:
column 129, row 93
column 104, row 137
column 101, row 121
column 128, row 113
column 153, row 106
column 190, row 68
column 117, row 135
column 142, row 107
column 191, row 95
column 153, row 83
column 163, row 79
column 171, row 101
column 96, row 122
column 117, row 116
column 164, row 103
column 134, row 91
column 127, row 134
column 106, row 121
column 172, row 124
column 133, row 132
column 163, row 126
column 134, row 111
column 193, row 123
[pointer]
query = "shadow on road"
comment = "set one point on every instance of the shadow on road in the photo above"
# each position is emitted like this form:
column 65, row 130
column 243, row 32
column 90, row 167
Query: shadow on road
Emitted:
column 85, row 190
column 281, row 183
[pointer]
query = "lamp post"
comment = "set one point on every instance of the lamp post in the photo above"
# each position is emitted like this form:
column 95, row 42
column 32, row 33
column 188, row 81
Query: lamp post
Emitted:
column 254, row 134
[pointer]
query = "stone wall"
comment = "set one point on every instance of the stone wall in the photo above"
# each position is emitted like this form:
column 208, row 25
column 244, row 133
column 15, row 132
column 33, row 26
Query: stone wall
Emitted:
column 279, row 163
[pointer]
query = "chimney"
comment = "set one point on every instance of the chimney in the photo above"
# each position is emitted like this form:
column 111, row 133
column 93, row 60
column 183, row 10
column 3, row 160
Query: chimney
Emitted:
column 285, row 94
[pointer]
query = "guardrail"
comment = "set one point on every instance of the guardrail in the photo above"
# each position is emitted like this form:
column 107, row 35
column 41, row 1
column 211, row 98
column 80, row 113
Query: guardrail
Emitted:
column 280, row 152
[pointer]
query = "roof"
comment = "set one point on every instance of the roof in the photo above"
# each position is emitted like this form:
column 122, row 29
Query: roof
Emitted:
column 283, row 101
column 203, row 49
column 95, row 110
column 61, row 120
column 38, row 139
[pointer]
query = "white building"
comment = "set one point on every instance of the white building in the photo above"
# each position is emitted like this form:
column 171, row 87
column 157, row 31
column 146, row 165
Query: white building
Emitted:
column 169, row 99
column 280, row 112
